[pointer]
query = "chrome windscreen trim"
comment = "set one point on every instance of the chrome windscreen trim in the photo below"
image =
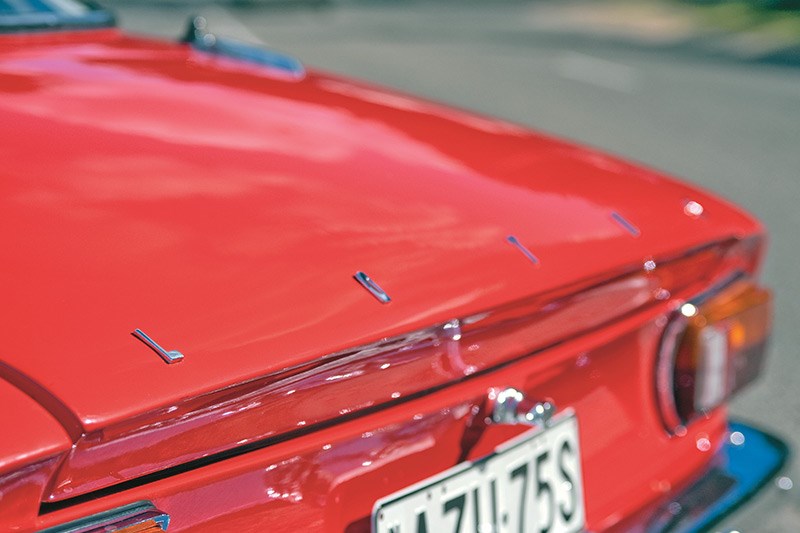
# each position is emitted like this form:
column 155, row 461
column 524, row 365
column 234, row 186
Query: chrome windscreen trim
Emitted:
column 201, row 39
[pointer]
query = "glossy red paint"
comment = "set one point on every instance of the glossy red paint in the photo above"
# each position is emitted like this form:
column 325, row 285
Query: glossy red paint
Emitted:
column 224, row 209
column 30, row 447
column 151, row 186
column 328, row 480
column 338, row 386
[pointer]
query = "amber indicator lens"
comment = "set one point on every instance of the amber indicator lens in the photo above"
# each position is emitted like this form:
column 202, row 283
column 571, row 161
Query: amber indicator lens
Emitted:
column 139, row 517
column 146, row 527
column 721, row 349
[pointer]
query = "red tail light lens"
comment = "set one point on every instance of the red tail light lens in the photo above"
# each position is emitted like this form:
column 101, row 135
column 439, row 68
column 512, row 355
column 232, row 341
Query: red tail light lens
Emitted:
column 712, row 348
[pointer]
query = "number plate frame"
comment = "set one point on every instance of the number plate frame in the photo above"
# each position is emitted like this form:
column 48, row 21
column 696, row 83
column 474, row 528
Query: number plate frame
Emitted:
column 448, row 500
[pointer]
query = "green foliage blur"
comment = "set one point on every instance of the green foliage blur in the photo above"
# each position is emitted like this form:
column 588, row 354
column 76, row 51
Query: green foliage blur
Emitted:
column 755, row 4
column 774, row 19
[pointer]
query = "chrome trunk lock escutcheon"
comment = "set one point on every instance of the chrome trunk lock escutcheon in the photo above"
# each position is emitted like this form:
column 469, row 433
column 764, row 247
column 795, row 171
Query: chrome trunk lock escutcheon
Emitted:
column 510, row 406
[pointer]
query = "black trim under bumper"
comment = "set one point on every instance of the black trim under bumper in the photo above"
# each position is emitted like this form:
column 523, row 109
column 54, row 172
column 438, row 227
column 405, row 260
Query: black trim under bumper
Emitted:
column 747, row 462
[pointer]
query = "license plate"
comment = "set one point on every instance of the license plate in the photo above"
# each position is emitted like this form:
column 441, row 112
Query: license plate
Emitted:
column 530, row 484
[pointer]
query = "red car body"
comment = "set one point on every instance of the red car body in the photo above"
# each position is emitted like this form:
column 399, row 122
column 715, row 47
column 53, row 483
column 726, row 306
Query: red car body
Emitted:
column 223, row 207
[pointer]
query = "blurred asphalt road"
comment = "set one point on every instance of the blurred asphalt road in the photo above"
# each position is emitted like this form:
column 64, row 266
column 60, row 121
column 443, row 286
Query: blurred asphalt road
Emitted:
column 718, row 120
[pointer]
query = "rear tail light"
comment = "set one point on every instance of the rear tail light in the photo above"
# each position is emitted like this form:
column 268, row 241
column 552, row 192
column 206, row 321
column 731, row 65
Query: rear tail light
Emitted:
column 140, row 517
column 712, row 347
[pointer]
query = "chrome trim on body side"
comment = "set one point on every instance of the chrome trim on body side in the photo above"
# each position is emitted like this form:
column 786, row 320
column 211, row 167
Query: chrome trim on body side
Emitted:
column 373, row 288
column 169, row 356
column 515, row 242
column 629, row 226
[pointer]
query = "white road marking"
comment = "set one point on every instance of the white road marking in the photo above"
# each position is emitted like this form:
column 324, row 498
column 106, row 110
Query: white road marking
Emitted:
column 598, row 72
